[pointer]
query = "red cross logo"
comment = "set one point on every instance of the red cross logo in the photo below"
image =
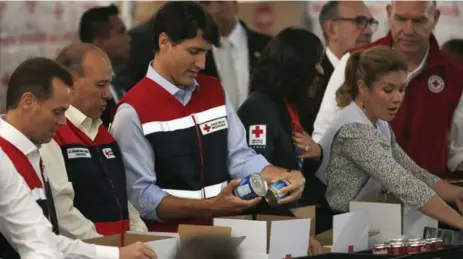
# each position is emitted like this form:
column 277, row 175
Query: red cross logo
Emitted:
column 436, row 84
column 5, row 79
column 288, row 256
column 207, row 128
column 58, row 11
column 350, row 249
column 257, row 131
column 2, row 6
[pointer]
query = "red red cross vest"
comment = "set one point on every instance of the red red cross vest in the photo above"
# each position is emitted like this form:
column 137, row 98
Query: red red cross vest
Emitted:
column 189, row 142
column 96, row 171
column 424, row 120
column 40, row 192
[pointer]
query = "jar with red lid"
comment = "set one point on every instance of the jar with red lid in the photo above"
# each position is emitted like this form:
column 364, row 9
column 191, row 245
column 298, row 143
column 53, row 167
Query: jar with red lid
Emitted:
column 397, row 248
column 437, row 243
column 429, row 244
column 380, row 249
column 414, row 247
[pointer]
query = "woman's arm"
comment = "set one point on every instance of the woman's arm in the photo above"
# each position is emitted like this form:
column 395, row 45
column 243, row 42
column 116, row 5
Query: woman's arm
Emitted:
column 362, row 144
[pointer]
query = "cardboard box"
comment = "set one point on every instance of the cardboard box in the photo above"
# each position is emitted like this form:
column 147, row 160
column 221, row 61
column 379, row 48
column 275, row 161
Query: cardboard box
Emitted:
column 268, row 236
column 350, row 233
column 164, row 244
column 392, row 219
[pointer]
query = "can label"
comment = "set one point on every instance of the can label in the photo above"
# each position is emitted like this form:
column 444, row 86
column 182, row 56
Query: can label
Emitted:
column 251, row 187
column 273, row 194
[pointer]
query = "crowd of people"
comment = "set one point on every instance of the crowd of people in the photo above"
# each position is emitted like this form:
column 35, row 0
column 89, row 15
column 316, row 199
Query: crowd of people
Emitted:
column 146, row 129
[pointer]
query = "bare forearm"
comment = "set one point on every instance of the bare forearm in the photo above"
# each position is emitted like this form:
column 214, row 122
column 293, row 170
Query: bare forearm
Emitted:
column 438, row 209
column 172, row 207
column 446, row 191
column 272, row 172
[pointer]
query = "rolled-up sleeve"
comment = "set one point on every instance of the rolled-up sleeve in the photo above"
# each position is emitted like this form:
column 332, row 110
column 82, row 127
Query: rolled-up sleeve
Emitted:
column 455, row 144
column 372, row 155
column 138, row 161
column 328, row 108
column 242, row 160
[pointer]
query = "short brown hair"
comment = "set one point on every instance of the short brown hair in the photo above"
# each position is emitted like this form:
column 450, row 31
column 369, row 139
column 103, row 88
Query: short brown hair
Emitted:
column 368, row 65
column 35, row 76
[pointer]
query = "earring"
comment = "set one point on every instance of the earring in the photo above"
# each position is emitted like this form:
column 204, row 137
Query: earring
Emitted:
column 364, row 107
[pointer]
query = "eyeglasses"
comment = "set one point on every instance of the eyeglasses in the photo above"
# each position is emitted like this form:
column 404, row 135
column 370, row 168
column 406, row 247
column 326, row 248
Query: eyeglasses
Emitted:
column 361, row 22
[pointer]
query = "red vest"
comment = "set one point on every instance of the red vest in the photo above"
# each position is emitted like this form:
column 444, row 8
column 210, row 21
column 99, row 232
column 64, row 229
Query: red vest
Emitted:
column 189, row 142
column 97, row 173
column 423, row 123
column 40, row 192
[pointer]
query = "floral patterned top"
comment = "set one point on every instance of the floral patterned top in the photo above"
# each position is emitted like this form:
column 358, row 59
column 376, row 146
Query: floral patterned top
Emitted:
column 359, row 152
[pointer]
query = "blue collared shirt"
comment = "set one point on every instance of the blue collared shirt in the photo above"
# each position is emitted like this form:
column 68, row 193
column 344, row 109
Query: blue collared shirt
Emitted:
column 139, row 158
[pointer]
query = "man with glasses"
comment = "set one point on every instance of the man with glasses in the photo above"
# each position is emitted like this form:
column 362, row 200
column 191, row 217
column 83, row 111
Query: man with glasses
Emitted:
column 345, row 25
column 429, row 125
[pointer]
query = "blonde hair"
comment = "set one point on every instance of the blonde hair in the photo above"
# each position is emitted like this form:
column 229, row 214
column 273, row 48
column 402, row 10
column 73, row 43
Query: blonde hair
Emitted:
column 368, row 66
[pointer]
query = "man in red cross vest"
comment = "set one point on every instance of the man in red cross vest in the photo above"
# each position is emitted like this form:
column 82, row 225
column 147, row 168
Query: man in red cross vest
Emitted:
column 429, row 124
column 37, row 97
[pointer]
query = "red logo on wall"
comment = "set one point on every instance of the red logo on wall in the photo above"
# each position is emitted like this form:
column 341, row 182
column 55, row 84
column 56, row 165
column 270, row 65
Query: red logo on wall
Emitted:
column 264, row 17
column 58, row 11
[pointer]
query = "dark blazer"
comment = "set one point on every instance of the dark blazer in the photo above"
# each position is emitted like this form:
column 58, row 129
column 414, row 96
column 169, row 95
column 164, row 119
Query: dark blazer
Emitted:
column 311, row 111
column 263, row 109
column 256, row 45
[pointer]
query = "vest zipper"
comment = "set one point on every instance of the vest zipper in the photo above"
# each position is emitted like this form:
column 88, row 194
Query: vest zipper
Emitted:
column 201, row 157
column 114, row 194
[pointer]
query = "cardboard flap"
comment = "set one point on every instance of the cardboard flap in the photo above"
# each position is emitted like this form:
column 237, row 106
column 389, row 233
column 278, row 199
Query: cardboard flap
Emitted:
column 325, row 238
column 272, row 218
column 304, row 212
column 308, row 212
column 131, row 238
column 188, row 231
column 114, row 240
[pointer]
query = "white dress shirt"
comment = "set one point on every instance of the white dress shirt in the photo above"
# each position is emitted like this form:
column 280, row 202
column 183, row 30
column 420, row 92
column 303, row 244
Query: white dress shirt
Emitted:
column 240, row 54
column 329, row 110
column 71, row 221
column 21, row 219
column 334, row 60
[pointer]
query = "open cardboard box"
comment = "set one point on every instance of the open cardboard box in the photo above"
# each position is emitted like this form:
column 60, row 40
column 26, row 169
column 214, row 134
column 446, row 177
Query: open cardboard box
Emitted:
column 164, row 244
column 389, row 216
column 350, row 233
column 273, row 237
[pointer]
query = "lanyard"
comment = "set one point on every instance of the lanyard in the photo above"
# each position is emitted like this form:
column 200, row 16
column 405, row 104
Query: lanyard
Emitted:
column 295, row 122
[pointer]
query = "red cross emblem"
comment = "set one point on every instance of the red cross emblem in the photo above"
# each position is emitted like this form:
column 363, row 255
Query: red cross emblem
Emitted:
column 5, row 79
column 288, row 256
column 207, row 128
column 58, row 11
column 350, row 249
column 257, row 131
column 436, row 84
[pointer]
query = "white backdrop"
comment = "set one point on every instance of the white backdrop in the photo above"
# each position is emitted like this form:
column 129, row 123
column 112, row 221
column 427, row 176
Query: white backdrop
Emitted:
column 35, row 28
column 450, row 24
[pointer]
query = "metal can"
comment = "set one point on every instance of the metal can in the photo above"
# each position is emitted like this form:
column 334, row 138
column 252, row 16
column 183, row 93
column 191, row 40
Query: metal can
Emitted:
column 273, row 193
column 380, row 249
column 414, row 247
column 251, row 187
column 437, row 243
column 429, row 245
column 397, row 248
column 397, row 240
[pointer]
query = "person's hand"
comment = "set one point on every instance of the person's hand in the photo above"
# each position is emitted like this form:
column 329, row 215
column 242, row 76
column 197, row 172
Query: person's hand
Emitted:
column 136, row 250
column 309, row 148
column 227, row 203
column 459, row 202
column 296, row 181
column 315, row 248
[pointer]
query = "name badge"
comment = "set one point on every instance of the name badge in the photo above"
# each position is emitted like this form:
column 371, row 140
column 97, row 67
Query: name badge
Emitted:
column 108, row 153
column 213, row 126
column 78, row 152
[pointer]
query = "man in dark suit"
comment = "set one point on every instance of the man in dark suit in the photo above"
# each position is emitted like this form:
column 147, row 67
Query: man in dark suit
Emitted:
column 103, row 27
column 345, row 25
column 241, row 48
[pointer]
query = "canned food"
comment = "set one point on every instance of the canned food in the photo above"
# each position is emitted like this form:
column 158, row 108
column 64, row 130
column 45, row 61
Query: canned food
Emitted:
column 414, row 247
column 429, row 245
column 273, row 193
column 424, row 245
column 437, row 243
column 397, row 248
column 397, row 240
column 251, row 187
column 414, row 240
column 380, row 249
